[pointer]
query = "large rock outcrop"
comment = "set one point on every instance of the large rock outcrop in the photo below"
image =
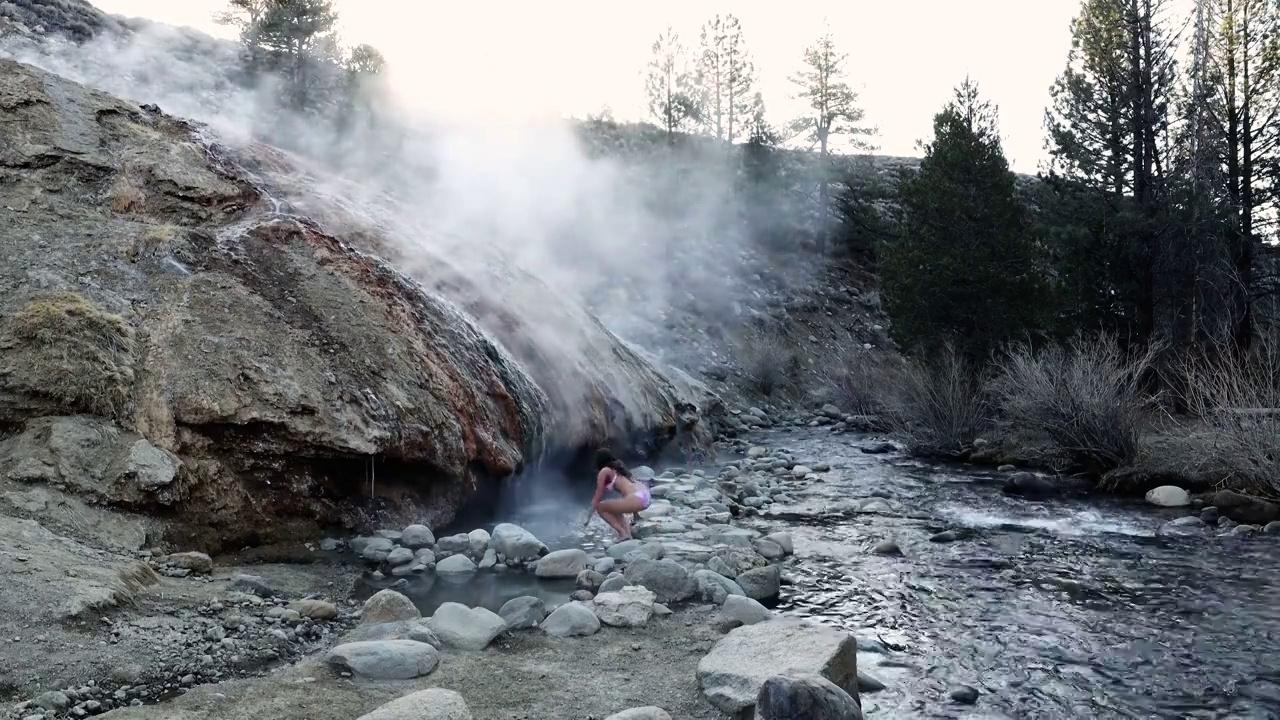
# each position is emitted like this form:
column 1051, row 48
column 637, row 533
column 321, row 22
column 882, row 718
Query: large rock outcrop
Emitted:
column 172, row 341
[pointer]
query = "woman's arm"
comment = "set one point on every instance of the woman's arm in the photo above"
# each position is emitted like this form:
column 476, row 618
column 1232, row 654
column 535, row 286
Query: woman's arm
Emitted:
column 600, row 483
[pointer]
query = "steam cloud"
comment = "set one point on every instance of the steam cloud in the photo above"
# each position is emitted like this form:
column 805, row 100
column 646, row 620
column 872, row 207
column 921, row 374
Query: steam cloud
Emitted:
column 641, row 237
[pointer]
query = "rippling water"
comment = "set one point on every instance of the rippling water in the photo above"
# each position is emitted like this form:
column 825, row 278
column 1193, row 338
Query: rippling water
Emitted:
column 1068, row 608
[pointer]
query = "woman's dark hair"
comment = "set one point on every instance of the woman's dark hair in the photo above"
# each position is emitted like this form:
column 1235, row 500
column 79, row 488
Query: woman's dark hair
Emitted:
column 606, row 459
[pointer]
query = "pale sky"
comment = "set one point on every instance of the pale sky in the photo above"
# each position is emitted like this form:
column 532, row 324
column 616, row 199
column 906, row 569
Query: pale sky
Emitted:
column 513, row 59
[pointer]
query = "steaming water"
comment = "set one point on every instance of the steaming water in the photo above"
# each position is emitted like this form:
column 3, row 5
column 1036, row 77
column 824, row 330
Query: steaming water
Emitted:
column 1068, row 608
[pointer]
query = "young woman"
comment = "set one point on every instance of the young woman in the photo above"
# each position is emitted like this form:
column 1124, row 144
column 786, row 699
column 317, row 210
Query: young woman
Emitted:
column 613, row 475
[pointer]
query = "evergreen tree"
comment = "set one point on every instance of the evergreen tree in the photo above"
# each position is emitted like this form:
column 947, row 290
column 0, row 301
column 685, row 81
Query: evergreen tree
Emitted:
column 1109, row 139
column 966, row 267
column 833, row 113
column 726, row 79
column 673, row 97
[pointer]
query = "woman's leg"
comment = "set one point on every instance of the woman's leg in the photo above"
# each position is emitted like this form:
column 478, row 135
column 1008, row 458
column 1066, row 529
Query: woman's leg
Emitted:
column 617, row 522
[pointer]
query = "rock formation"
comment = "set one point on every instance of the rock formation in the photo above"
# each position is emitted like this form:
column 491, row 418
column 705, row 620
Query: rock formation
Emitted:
column 175, row 341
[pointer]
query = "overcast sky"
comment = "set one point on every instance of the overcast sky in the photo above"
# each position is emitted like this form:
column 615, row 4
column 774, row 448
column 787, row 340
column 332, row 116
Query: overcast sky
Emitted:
column 512, row 59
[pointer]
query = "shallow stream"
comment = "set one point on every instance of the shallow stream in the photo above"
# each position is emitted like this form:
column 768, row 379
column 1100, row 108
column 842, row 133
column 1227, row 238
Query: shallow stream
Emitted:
column 1065, row 608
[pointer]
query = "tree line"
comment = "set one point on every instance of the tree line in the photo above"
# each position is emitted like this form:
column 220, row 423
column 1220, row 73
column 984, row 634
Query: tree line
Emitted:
column 296, row 43
column 1150, row 221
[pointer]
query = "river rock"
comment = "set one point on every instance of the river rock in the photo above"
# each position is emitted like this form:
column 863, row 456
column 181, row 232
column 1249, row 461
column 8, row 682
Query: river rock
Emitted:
column 315, row 609
column 964, row 694
column 456, row 567
column 1272, row 528
column 1168, row 496
column 720, row 567
column 515, row 543
column 712, row 587
column 589, row 580
column 1027, row 484
column 632, row 606
column 400, row 556
column 783, row 541
column 769, row 550
column 387, row 606
column 618, row 551
column 375, row 549
column 613, row 583
column 668, row 579
column 458, row 543
column 562, row 564
column 523, row 612
column 869, row 683
column 732, row 674
column 1209, row 515
column 572, row 619
column 605, row 565
column 432, row 704
column 196, row 562
column 466, row 628
column 762, row 583
column 745, row 611
column 384, row 659
column 1245, row 508
column 417, row 537
column 489, row 559
column 641, row 713
column 886, row 547
column 479, row 542
column 807, row 697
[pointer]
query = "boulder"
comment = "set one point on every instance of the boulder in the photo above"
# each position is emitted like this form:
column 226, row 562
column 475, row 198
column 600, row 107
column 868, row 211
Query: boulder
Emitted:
column 805, row 698
column 458, row 543
column 735, row 670
column 745, row 611
column 466, row 628
column 479, row 541
column 589, row 580
column 373, row 549
column 762, row 583
column 562, row 564
column 632, row 606
column 196, row 562
column 613, row 583
column 1027, row 484
column 641, row 713
column 515, row 543
column 315, row 609
column 1168, row 496
column 1245, row 508
column 417, row 537
column 400, row 556
column 384, row 659
column 433, row 704
column 783, row 540
column 618, row 551
column 387, row 606
column 571, row 620
column 668, row 579
column 523, row 612
column 713, row 587
column 456, row 567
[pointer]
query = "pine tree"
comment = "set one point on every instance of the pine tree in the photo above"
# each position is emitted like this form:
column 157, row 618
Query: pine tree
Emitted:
column 1242, row 102
column 294, row 38
column 673, row 97
column 833, row 113
column 726, row 78
column 966, row 266
column 1108, row 139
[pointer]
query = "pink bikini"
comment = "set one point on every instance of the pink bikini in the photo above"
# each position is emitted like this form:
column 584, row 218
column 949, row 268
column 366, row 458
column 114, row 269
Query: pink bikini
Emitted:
column 642, row 490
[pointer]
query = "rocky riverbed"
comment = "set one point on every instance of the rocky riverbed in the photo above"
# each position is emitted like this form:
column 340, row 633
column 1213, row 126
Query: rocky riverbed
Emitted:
column 962, row 598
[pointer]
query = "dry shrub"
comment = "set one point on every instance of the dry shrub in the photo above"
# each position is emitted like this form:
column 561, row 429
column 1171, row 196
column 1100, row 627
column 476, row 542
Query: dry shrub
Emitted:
column 1082, row 405
column 768, row 364
column 936, row 403
column 1234, row 431
column 863, row 384
column 75, row 352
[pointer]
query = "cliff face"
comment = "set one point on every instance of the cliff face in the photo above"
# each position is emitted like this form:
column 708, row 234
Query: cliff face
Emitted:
column 171, row 342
